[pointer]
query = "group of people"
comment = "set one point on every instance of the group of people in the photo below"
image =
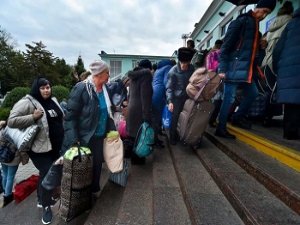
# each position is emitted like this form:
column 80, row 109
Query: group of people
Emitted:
column 240, row 66
column 89, row 112
column 245, row 60
column 85, row 120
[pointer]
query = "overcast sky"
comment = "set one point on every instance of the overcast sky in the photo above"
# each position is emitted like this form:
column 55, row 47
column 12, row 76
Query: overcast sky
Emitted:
column 72, row 27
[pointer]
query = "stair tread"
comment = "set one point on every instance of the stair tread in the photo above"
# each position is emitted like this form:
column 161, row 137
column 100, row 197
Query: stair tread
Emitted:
column 207, row 203
column 167, row 195
column 280, row 179
column 287, row 176
column 275, row 134
column 136, row 206
column 248, row 196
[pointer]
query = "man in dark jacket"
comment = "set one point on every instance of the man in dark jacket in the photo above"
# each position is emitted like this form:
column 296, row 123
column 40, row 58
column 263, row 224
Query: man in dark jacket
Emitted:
column 237, row 64
column 286, row 64
column 178, row 79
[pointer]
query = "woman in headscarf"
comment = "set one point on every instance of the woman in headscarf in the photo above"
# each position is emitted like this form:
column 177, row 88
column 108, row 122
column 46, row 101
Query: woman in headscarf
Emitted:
column 41, row 108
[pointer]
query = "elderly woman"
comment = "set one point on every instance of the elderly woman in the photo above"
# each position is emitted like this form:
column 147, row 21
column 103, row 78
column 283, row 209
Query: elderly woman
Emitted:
column 89, row 117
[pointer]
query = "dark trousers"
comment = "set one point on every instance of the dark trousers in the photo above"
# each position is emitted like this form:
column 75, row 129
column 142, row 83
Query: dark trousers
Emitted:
column 43, row 162
column 96, row 146
column 178, row 104
column 272, row 108
column 215, row 113
column 129, row 153
column 156, row 121
column 291, row 121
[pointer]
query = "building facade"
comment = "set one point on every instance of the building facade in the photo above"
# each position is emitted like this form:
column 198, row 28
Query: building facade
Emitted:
column 121, row 64
column 215, row 21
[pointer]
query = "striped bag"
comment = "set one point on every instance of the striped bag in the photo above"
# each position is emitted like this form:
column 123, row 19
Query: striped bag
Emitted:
column 121, row 177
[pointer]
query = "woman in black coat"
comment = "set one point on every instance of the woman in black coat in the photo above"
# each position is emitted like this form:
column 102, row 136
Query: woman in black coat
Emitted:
column 139, row 102
column 286, row 63
column 89, row 117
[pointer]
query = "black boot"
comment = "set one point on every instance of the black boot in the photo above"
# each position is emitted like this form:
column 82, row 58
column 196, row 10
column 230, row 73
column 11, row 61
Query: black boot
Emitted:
column 7, row 199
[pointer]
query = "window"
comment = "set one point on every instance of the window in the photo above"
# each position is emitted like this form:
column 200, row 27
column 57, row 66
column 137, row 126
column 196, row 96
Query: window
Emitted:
column 208, row 42
column 115, row 68
column 224, row 27
column 134, row 63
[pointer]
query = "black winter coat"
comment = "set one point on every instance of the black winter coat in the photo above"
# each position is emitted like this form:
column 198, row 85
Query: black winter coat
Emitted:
column 286, row 62
column 237, row 59
column 81, row 117
column 139, row 101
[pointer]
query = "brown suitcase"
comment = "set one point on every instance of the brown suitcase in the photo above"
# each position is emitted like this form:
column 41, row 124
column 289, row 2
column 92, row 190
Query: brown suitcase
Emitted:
column 193, row 121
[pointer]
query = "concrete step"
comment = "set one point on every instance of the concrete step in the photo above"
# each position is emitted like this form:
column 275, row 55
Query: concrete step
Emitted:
column 204, row 199
column 137, row 204
column 251, row 200
column 278, row 178
column 270, row 143
column 168, row 200
column 151, row 196
column 130, row 205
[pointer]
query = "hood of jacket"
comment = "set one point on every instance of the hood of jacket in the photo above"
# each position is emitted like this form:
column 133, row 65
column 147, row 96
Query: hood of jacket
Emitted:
column 164, row 62
column 296, row 13
column 138, row 73
column 279, row 22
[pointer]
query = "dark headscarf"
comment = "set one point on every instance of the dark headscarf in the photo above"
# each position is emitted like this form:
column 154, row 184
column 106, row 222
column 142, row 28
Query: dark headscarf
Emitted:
column 35, row 89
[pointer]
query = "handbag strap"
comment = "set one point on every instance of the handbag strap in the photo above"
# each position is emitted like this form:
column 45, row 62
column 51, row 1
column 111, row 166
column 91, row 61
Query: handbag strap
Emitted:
column 32, row 103
column 138, row 135
column 79, row 153
column 201, row 86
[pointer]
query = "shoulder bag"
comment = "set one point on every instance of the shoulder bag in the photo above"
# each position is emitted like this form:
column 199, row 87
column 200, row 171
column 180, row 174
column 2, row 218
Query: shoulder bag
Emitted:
column 22, row 138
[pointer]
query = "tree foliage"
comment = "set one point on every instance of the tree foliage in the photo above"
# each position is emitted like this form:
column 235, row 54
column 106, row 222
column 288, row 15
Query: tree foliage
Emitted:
column 21, row 68
column 15, row 95
column 60, row 92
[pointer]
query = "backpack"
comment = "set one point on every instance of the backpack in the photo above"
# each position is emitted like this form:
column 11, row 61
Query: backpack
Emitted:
column 144, row 141
column 200, row 76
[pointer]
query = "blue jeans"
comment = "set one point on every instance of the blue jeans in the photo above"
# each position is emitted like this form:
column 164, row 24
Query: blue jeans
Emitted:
column 249, row 91
column 9, row 173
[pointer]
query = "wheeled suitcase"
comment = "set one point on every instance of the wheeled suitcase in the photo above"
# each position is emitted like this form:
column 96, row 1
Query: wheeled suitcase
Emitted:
column 193, row 120
column 198, row 108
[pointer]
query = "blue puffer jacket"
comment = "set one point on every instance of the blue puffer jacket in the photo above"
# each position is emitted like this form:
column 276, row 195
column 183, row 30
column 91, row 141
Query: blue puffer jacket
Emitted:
column 159, row 83
column 238, row 52
column 286, row 62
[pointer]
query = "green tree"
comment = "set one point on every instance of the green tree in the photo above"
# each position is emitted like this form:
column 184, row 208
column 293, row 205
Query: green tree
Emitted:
column 11, row 63
column 64, row 71
column 79, row 67
column 40, row 61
